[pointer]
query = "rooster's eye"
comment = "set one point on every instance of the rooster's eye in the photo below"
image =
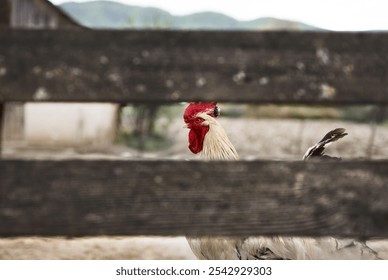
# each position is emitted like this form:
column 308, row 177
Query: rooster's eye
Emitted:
column 217, row 111
column 198, row 120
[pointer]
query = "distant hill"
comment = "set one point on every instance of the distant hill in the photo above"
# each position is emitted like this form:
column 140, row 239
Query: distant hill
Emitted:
column 107, row 14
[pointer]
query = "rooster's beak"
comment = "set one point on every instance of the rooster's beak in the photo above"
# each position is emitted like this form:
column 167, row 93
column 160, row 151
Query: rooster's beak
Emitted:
column 185, row 126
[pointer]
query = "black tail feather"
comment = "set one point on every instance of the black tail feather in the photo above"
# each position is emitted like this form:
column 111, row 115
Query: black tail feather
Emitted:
column 318, row 149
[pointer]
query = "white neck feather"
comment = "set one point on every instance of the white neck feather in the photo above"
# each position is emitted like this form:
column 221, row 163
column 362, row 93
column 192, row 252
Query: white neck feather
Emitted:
column 216, row 145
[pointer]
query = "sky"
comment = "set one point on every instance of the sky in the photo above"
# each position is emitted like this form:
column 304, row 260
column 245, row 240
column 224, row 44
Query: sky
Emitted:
column 338, row 15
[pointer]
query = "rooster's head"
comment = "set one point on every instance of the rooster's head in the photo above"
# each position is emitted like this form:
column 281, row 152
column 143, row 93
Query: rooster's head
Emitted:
column 197, row 117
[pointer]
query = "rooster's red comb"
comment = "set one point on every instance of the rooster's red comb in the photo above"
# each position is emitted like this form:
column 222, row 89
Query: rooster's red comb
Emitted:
column 198, row 107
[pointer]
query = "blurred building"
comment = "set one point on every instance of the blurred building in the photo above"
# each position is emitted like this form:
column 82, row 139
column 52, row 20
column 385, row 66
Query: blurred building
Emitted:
column 52, row 124
column 37, row 14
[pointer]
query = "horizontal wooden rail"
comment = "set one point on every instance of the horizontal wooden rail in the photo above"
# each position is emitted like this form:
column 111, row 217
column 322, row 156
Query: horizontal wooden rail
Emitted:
column 119, row 197
column 166, row 66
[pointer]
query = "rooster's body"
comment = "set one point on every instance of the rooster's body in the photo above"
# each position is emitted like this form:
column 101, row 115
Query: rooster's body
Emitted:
column 208, row 138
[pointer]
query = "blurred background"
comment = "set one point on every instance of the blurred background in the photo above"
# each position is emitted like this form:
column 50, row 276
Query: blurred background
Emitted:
column 59, row 130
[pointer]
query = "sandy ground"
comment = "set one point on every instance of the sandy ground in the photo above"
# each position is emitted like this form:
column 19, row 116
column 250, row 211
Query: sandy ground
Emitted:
column 271, row 139
column 96, row 248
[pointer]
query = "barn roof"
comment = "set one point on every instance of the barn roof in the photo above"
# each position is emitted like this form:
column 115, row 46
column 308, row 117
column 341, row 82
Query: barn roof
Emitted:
column 18, row 13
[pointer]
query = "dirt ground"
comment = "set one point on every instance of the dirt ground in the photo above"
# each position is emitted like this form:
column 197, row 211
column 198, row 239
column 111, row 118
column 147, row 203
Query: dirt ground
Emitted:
column 269, row 139
column 96, row 248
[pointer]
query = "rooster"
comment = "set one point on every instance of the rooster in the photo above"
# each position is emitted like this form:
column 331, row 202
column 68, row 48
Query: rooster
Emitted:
column 209, row 139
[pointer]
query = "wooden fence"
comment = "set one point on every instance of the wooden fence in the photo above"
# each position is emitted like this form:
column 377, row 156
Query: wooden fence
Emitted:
column 116, row 197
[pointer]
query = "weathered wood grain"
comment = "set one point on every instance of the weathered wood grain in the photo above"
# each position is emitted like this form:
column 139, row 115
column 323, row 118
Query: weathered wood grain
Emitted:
column 1, row 125
column 118, row 197
column 165, row 66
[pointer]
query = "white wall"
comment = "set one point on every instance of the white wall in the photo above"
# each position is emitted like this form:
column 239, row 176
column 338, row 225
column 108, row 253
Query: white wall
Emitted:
column 70, row 124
